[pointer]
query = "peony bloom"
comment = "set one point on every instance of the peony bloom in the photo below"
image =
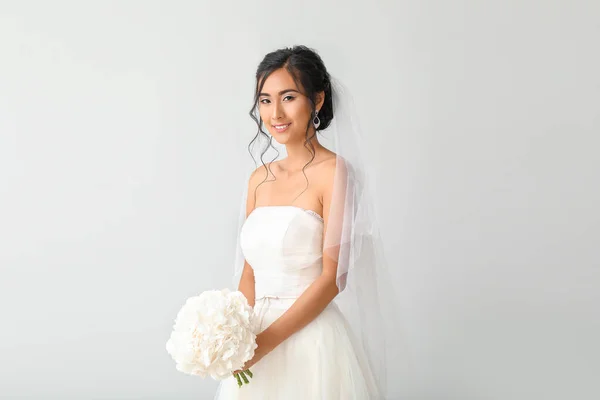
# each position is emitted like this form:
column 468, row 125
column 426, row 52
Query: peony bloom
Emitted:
column 214, row 334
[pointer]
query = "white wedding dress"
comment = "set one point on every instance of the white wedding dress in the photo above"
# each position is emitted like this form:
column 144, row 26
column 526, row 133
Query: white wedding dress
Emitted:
column 322, row 361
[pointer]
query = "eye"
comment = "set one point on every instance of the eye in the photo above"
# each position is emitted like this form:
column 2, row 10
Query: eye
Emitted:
column 289, row 97
column 263, row 101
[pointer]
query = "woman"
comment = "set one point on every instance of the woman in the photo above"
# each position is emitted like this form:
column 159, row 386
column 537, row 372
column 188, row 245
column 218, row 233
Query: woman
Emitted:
column 298, row 244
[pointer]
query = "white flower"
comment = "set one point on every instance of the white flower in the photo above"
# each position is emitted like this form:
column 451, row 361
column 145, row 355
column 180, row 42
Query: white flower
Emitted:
column 214, row 334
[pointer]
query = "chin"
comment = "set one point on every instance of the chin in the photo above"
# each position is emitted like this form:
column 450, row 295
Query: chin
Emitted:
column 282, row 138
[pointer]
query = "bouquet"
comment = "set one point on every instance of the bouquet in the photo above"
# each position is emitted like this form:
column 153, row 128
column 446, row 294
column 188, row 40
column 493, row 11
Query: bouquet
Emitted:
column 214, row 334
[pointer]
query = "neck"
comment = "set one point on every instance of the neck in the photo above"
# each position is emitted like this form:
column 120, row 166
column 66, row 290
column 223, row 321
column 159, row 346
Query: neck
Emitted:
column 298, row 155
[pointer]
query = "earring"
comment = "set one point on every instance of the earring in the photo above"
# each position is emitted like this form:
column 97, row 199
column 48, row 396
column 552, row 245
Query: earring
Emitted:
column 316, row 120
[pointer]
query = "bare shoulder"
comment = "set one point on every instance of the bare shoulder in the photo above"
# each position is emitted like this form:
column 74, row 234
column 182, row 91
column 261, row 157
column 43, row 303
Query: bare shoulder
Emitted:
column 258, row 176
column 328, row 167
column 327, row 172
column 331, row 166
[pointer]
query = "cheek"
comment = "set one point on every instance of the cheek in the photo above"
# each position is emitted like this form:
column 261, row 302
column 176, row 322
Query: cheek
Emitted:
column 298, row 112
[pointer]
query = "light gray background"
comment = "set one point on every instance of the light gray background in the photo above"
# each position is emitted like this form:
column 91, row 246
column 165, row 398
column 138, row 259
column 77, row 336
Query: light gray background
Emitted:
column 123, row 133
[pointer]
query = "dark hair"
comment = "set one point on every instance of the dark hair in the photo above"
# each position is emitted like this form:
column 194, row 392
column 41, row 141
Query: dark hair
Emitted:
column 310, row 75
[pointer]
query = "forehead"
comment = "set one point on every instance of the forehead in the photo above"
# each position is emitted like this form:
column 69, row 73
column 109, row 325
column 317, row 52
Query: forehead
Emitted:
column 279, row 79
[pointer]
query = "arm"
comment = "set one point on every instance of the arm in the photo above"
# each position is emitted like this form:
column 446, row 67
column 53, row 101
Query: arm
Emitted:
column 247, row 283
column 324, row 289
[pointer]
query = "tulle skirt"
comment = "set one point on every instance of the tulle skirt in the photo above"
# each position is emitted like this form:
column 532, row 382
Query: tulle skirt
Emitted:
column 322, row 361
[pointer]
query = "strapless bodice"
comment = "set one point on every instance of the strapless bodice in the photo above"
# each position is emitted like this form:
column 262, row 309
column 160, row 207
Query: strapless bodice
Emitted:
column 284, row 246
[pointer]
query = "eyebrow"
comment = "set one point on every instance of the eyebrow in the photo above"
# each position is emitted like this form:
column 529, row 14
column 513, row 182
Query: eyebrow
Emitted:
column 280, row 93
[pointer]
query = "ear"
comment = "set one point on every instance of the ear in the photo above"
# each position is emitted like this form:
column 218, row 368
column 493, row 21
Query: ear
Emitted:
column 320, row 99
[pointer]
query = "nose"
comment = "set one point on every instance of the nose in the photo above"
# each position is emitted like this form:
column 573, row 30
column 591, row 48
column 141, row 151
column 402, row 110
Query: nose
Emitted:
column 277, row 111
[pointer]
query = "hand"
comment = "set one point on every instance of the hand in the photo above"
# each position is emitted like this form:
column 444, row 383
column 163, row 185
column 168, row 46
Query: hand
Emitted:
column 265, row 346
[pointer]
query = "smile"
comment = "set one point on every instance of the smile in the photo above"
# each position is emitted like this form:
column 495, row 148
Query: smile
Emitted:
column 281, row 128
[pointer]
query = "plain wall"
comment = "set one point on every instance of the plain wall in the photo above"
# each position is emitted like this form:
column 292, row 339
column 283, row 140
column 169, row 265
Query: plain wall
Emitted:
column 123, row 134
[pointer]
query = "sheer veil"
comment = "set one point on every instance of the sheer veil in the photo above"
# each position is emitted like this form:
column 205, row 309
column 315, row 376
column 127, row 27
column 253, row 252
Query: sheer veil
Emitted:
column 367, row 295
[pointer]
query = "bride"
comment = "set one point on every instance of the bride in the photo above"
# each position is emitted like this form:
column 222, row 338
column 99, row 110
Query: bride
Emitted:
column 301, row 224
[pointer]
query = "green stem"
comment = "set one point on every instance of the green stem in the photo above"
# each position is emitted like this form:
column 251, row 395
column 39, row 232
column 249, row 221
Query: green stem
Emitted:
column 249, row 373
column 239, row 381
column 244, row 377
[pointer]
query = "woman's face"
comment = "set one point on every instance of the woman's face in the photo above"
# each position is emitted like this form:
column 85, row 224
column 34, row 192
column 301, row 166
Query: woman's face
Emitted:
column 283, row 109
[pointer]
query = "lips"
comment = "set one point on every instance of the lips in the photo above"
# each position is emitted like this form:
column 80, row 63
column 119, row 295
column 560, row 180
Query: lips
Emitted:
column 281, row 127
